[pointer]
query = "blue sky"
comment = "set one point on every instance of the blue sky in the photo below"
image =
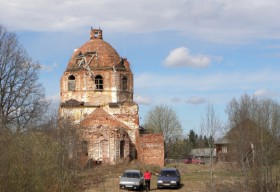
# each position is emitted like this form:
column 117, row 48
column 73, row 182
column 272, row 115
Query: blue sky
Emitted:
column 183, row 53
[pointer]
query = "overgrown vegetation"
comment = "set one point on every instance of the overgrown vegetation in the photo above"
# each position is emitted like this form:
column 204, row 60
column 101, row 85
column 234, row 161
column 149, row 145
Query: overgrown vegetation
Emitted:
column 34, row 147
column 254, row 136
column 38, row 160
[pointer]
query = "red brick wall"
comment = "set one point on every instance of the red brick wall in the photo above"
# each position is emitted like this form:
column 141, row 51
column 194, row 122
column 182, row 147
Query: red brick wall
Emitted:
column 151, row 149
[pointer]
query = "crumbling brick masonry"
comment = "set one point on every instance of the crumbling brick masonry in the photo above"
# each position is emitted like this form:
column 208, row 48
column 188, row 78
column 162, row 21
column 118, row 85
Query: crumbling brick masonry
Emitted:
column 96, row 93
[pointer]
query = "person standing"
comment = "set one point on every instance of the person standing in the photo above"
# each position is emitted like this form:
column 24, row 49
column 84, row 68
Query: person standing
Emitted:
column 147, row 178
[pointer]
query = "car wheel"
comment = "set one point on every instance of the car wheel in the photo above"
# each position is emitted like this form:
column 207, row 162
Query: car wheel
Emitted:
column 178, row 185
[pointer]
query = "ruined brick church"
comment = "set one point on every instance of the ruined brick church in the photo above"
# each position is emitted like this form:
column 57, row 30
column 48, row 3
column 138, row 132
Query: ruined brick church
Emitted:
column 96, row 92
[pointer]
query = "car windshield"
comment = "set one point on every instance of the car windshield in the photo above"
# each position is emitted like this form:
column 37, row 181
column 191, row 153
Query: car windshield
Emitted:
column 168, row 173
column 131, row 175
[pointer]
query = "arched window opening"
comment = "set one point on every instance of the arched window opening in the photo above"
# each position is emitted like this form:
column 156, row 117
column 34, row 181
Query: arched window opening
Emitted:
column 122, row 149
column 99, row 82
column 104, row 150
column 71, row 83
column 124, row 84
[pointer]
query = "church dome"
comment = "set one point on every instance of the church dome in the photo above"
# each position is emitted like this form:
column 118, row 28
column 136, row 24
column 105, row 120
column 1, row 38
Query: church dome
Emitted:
column 94, row 54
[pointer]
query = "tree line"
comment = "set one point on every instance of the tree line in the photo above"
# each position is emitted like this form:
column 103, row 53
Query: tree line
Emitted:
column 252, row 131
column 178, row 145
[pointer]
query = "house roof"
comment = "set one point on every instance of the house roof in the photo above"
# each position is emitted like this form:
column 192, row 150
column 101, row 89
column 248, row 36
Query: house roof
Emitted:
column 202, row 152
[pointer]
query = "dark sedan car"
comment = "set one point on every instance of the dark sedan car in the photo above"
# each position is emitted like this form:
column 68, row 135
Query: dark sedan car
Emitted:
column 168, row 178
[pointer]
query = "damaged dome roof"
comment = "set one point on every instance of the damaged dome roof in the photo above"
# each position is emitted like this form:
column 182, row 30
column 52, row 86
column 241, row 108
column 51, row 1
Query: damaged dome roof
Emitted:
column 96, row 53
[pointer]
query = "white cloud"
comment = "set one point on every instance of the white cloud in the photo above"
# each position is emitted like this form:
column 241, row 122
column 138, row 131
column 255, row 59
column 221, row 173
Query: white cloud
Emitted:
column 142, row 100
column 216, row 86
column 231, row 80
column 176, row 99
column 49, row 68
column 265, row 93
column 182, row 57
column 196, row 100
column 211, row 20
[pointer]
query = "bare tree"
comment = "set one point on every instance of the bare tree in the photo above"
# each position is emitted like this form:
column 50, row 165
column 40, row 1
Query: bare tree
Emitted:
column 254, row 126
column 22, row 99
column 210, row 126
column 163, row 119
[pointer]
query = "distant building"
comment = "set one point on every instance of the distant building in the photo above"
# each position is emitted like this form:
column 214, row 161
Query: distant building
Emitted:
column 204, row 153
column 222, row 147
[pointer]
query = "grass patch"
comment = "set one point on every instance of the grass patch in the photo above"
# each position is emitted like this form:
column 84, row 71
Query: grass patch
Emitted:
column 194, row 178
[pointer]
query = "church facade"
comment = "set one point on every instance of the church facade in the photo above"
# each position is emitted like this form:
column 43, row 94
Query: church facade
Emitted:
column 96, row 93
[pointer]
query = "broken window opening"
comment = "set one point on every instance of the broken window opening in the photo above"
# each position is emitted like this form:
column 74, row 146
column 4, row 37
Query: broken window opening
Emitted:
column 99, row 82
column 96, row 34
column 85, row 147
column 124, row 84
column 122, row 149
column 71, row 83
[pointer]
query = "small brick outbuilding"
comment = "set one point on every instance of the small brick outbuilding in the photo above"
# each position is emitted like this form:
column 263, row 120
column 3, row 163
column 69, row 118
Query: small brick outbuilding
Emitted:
column 151, row 149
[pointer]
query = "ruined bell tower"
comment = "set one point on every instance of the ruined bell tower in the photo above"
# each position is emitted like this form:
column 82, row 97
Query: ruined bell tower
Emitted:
column 96, row 92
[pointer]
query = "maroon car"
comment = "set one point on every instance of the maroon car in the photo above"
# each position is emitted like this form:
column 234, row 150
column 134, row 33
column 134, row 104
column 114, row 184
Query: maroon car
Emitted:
column 194, row 160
